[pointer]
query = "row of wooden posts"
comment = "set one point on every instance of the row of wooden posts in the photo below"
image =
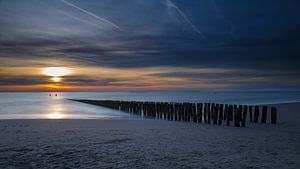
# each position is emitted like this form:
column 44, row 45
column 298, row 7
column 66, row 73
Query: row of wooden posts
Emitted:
column 209, row 113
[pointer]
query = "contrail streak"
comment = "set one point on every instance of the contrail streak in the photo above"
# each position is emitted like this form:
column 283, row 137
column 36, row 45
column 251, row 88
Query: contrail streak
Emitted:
column 170, row 4
column 71, row 16
column 80, row 20
column 91, row 14
column 222, row 17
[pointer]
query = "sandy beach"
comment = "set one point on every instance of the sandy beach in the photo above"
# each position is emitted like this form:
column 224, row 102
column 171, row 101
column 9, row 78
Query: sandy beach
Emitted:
column 145, row 143
column 149, row 84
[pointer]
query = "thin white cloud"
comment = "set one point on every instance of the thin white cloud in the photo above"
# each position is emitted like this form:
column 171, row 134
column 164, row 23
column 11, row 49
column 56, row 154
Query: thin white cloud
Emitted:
column 81, row 20
column 170, row 4
column 92, row 14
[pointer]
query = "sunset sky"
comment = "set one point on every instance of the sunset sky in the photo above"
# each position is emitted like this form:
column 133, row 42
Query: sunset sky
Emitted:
column 116, row 45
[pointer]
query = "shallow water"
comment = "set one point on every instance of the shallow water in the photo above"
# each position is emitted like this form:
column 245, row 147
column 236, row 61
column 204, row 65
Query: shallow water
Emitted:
column 40, row 105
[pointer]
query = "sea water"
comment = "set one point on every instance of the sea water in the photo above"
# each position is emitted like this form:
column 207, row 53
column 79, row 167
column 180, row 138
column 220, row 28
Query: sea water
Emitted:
column 40, row 105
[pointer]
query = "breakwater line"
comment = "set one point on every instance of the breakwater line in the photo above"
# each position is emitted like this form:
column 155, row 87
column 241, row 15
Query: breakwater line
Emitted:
column 208, row 113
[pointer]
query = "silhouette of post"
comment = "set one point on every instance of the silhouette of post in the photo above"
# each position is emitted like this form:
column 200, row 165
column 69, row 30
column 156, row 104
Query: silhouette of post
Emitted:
column 244, row 116
column 220, row 115
column 236, row 116
column 256, row 114
column 273, row 115
column 251, row 114
column 264, row 114
column 199, row 112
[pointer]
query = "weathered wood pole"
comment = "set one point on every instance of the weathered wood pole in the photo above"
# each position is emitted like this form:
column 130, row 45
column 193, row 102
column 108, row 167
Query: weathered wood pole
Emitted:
column 159, row 114
column 179, row 111
column 215, row 113
column 199, row 112
column 172, row 111
column 244, row 116
column 187, row 112
column 220, row 115
column 205, row 113
column 273, row 115
column 240, row 114
column 168, row 111
column 153, row 112
column 256, row 114
column 251, row 114
column 183, row 112
column 175, row 111
column 236, row 117
column 194, row 112
column 231, row 113
column 227, row 110
column 240, row 107
column 209, row 113
column 264, row 114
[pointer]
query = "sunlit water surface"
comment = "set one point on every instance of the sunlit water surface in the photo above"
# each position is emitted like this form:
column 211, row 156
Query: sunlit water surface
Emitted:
column 40, row 105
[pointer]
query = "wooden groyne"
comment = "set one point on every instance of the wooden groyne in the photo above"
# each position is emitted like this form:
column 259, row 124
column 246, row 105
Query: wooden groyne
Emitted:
column 208, row 113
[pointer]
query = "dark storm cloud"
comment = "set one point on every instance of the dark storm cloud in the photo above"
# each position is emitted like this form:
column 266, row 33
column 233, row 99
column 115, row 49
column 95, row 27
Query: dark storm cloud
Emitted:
column 255, row 35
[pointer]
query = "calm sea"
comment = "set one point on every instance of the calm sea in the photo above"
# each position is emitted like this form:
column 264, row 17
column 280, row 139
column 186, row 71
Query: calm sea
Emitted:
column 40, row 105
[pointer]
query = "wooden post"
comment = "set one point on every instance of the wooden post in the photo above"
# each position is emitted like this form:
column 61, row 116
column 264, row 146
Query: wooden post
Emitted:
column 240, row 108
column 172, row 111
column 231, row 113
column 153, row 113
column 215, row 113
column 225, row 112
column 205, row 113
column 168, row 110
column 273, row 115
column 199, row 112
column 187, row 112
column 244, row 116
column 209, row 112
column 220, row 114
column 183, row 112
column 175, row 111
column 264, row 114
column 180, row 113
column 227, row 109
column 236, row 117
column 251, row 114
column 256, row 114
column 194, row 112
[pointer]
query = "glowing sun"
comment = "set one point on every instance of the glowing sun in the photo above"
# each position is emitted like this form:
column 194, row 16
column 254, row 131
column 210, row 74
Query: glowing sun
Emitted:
column 56, row 79
column 56, row 115
column 56, row 73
